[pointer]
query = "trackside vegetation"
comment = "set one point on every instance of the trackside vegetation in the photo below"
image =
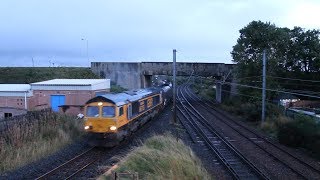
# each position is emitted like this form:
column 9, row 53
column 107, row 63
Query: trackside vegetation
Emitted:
column 293, row 65
column 204, row 87
column 301, row 132
column 162, row 157
column 28, row 138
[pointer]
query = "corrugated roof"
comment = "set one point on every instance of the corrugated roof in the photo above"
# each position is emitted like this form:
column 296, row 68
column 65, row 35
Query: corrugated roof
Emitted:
column 14, row 87
column 70, row 82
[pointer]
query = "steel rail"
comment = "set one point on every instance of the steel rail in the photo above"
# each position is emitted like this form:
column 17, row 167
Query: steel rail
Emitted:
column 81, row 169
column 236, row 153
column 258, row 136
column 64, row 164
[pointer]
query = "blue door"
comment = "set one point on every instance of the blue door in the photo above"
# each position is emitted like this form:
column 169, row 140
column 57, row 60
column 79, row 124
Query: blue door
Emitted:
column 56, row 101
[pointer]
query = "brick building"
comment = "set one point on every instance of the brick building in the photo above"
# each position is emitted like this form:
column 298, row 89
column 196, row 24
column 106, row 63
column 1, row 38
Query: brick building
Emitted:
column 14, row 99
column 66, row 95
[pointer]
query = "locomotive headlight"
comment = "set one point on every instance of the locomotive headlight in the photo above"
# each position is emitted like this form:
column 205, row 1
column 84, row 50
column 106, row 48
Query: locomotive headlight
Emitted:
column 112, row 128
column 86, row 127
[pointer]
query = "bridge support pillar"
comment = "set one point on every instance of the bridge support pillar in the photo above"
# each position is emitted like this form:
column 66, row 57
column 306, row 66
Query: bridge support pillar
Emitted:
column 147, row 81
column 218, row 92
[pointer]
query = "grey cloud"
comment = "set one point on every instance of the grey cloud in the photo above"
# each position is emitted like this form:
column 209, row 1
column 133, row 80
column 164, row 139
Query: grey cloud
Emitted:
column 125, row 30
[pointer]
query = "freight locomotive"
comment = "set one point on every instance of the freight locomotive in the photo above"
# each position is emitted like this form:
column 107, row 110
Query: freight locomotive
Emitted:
column 110, row 118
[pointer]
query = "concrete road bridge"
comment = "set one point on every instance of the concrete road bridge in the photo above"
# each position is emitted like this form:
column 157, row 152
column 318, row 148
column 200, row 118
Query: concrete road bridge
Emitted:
column 134, row 75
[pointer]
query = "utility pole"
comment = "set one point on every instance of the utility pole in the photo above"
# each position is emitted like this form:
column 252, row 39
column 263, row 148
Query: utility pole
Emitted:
column 87, row 43
column 174, row 86
column 263, row 115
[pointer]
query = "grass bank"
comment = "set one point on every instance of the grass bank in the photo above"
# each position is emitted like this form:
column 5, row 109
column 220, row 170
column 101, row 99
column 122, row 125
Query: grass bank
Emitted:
column 20, row 75
column 35, row 136
column 162, row 157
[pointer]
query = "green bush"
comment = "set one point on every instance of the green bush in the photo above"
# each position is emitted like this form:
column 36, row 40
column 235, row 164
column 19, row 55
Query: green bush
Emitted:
column 251, row 111
column 301, row 132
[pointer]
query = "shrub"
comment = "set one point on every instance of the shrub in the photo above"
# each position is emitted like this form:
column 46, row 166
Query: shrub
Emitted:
column 301, row 132
column 250, row 111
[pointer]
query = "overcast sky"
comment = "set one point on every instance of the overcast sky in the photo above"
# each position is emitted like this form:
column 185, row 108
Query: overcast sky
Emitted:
column 51, row 31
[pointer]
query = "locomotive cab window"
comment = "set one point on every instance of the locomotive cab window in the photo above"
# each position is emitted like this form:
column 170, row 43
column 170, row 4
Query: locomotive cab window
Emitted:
column 92, row 111
column 108, row 111
column 120, row 111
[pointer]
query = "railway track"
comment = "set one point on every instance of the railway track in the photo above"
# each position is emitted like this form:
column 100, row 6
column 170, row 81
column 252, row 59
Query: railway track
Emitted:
column 74, row 166
column 273, row 150
column 198, row 127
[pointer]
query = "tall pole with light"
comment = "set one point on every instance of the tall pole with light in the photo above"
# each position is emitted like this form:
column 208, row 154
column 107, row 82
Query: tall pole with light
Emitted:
column 174, row 86
column 87, row 41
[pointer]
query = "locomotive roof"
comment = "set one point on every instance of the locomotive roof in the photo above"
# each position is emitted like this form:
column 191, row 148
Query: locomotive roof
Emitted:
column 125, row 97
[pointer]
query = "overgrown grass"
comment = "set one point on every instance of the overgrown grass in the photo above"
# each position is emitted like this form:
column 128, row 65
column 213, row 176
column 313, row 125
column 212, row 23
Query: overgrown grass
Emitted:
column 35, row 137
column 18, row 75
column 162, row 157
column 301, row 132
column 271, row 125
column 204, row 89
column 251, row 113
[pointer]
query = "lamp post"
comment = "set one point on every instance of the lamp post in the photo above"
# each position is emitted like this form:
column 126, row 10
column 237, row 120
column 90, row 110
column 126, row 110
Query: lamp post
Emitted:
column 87, row 41
column 174, row 86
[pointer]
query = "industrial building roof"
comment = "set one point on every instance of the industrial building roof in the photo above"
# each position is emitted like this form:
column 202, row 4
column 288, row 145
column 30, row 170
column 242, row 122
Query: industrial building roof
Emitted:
column 20, row 90
column 70, row 82
column 14, row 87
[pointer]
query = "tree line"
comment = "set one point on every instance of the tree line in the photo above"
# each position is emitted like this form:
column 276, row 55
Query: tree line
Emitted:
column 291, row 53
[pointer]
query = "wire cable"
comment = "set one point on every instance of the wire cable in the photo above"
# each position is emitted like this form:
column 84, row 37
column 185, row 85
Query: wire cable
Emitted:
column 255, row 87
column 248, row 77
column 293, row 79
column 245, row 95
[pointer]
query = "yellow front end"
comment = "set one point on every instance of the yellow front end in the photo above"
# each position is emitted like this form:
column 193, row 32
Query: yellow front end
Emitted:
column 100, row 117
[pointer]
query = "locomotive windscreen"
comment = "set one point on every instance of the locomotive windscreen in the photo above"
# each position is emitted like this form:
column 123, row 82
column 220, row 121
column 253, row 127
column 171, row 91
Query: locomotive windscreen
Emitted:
column 108, row 111
column 92, row 111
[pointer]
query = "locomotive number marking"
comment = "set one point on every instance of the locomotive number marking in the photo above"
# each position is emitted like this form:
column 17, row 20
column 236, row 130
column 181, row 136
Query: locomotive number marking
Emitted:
column 149, row 103
column 141, row 107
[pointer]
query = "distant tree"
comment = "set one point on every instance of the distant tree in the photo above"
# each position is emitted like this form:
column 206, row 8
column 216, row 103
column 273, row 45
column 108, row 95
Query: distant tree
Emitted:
column 304, row 50
column 290, row 53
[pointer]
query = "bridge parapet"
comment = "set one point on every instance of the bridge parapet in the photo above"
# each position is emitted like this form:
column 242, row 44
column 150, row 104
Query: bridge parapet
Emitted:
column 183, row 69
column 133, row 75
